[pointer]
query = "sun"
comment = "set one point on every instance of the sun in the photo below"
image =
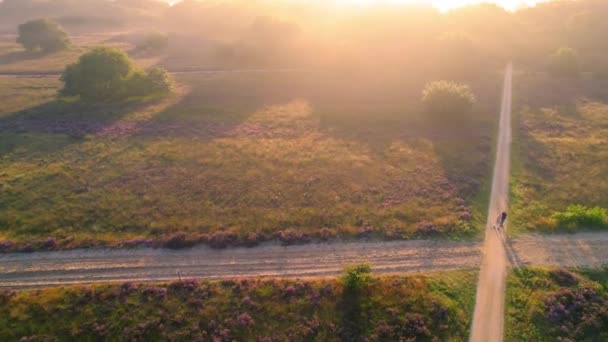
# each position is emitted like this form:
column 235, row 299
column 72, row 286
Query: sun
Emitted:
column 445, row 5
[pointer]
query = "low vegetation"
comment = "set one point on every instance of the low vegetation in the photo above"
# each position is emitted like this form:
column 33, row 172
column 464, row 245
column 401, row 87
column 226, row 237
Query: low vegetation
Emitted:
column 43, row 35
column 295, row 158
column 108, row 75
column 561, row 149
column 557, row 305
column 421, row 307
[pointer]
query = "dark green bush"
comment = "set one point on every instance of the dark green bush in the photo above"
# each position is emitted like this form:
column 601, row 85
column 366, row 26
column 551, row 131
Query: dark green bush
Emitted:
column 447, row 100
column 108, row 74
column 43, row 35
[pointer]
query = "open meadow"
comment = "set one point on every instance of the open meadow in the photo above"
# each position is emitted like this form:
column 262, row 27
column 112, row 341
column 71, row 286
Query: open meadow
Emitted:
column 241, row 157
column 561, row 153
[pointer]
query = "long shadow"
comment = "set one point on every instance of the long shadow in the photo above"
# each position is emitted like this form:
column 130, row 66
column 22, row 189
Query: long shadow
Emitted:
column 52, row 126
column 215, row 104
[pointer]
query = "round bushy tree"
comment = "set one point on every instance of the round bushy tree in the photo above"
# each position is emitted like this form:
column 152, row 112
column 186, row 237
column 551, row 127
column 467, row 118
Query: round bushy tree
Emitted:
column 99, row 75
column 43, row 35
column 564, row 63
column 448, row 100
column 108, row 74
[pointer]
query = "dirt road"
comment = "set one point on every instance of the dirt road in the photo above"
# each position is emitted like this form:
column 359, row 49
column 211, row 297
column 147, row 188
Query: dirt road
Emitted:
column 488, row 319
column 88, row 266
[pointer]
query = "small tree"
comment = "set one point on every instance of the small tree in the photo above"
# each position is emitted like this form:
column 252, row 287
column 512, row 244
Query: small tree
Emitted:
column 99, row 75
column 564, row 63
column 43, row 35
column 445, row 100
column 108, row 74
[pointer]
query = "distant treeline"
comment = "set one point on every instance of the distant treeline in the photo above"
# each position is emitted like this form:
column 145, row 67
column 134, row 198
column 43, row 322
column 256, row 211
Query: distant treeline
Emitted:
column 296, row 32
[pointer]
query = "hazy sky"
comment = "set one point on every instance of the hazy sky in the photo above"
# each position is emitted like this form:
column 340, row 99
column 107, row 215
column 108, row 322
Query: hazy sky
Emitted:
column 449, row 4
column 440, row 4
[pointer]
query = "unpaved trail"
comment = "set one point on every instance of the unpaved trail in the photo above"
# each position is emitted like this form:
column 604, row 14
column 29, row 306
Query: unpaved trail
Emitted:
column 488, row 318
column 269, row 260
column 46, row 269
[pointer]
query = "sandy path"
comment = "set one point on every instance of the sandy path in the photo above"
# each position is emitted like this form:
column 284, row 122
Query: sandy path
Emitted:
column 87, row 266
column 271, row 260
column 488, row 318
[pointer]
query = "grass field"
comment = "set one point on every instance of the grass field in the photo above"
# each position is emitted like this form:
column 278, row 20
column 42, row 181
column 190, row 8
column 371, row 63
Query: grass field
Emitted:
column 423, row 307
column 557, row 305
column 254, row 155
column 561, row 149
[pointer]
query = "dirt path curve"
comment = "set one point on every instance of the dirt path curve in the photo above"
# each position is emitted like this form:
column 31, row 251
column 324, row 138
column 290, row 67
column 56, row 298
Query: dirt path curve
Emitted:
column 488, row 319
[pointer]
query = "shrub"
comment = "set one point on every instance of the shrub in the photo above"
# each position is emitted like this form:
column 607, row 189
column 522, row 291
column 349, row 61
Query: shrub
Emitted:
column 178, row 241
column 356, row 280
column 564, row 63
column 222, row 239
column 448, row 100
column 154, row 42
column 292, row 237
column 356, row 277
column 108, row 74
column 43, row 35
column 578, row 216
column 576, row 313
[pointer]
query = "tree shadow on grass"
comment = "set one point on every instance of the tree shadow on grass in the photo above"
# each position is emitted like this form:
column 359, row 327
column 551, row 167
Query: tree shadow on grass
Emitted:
column 52, row 126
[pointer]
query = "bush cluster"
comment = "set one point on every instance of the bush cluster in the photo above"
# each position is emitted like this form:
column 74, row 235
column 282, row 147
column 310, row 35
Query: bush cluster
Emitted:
column 43, row 35
column 579, row 216
column 447, row 100
column 108, row 74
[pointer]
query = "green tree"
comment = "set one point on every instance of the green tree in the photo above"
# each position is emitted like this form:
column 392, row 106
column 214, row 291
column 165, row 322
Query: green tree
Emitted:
column 564, row 63
column 448, row 100
column 43, row 35
column 108, row 74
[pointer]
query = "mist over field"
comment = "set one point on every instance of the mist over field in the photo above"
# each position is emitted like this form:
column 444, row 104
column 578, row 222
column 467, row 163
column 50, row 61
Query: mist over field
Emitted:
column 292, row 170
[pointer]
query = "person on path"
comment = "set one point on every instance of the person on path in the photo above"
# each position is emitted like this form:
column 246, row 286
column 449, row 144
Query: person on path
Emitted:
column 500, row 222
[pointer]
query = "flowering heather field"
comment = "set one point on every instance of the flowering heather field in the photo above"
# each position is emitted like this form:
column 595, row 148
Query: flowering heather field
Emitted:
column 561, row 152
column 239, row 158
column 557, row 305
column 422, row 307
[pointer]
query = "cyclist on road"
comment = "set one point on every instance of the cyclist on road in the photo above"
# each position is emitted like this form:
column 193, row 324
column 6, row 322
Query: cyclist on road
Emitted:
column 500, row 222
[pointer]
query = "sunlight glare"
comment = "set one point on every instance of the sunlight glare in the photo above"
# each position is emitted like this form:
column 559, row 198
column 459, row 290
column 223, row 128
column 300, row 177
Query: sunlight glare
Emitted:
column 445, row 5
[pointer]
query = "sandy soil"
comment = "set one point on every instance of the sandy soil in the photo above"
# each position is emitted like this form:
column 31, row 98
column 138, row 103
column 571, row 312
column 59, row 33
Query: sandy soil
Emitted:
column 488, row 319
column 88, row 266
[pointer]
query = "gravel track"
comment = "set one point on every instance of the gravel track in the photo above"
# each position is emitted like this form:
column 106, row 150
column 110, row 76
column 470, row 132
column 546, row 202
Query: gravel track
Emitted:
column 43, row 269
